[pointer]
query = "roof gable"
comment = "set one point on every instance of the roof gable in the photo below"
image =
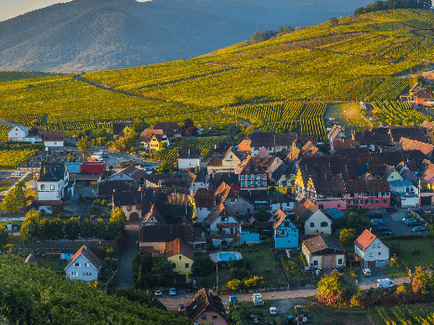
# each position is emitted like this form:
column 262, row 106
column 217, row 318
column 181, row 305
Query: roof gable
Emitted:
column 88, row 255
column 365, row 240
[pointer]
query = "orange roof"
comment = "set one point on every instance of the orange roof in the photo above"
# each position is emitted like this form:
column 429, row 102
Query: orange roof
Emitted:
column 281, row 216
column 88, row 254
column 365, row 239
column 179, row 246
column 408, row 144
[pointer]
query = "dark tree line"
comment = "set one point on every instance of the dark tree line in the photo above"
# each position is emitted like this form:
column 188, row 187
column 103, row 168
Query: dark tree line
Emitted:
column 393, row 4
column 259, row 36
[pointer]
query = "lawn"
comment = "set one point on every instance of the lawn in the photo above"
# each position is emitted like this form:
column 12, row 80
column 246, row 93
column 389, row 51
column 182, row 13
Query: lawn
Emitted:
column 405, row 251
column 346, row 114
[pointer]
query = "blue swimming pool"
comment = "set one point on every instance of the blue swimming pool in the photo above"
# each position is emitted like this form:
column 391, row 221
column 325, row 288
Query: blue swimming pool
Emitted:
column 227, row 256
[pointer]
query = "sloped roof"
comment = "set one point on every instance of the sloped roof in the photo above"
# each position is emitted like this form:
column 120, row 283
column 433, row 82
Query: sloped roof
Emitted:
column 408, row 144
column 335, row 213
column 33, row 259
column 127, row 198
column 252, row 166
column 153, row 212
column 179, row 246
column 334, row 131
column 234, row 152
column 322, row 244
column 51, row 172
column 88, row 254
column 220, row 210
column 270, row 139
column 204, row 197
column 106, row 188
column 409, row 132
column 189, row 152
column 216, row 179
column 54, row 136
column 214, row 161
column 204, row 301
column 147, row 134
column 279, row 217
column 427, row 125
column 165, row 233
column 132, row 172
column 428, row 175
column 118, row 127
column 224, row 192
column 304, row 209
column 367, row 185
column 365, row 239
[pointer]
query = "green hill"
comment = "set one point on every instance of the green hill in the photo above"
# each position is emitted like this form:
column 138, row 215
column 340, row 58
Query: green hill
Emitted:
column 359, row 59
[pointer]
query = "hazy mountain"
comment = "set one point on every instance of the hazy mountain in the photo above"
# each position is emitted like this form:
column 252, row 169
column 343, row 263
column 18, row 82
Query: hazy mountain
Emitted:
column 105, row 34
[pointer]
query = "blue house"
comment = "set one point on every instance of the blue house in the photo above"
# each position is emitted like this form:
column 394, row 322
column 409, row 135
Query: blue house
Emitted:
column 285, row 233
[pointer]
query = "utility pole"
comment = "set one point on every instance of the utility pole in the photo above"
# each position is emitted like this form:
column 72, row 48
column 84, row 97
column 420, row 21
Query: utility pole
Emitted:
column 217, row 277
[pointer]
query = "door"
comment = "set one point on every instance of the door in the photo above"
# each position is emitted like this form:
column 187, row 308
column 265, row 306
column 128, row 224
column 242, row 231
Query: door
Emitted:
column 425, row 200
column 180, row 279
column 134, row 216
column 371, row 264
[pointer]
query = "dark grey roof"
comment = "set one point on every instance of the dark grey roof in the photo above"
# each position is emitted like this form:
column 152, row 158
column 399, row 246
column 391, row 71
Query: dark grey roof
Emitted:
column 51, row 172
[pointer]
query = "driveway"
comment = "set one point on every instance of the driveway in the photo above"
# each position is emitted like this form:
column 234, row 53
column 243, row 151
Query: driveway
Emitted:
column 131, row 248
column 81, row 209
column 376, row 273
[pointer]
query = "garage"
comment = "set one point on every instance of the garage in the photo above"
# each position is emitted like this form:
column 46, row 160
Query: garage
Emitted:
column 425, row 200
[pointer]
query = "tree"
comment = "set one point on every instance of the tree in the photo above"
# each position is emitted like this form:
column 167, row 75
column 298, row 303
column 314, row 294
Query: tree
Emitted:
column 262, row 215
column 163, row 272
column 14, row 200
column 166, row 167
column 87, row 229
column 334, row 22
column 334, row 291
column 142, row 271
column 347, row 236
column 4, row 235
column 202, row 266
column 72, row 228
column 30, row 226
column 116, row 224
column 83, row 143
column 56, row 229
column 188, row 129
column 100, row 229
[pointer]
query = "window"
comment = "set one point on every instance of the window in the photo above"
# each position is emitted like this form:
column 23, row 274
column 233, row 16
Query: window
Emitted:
column 315, row 262
column 187, row 265
column 129, row 208
column 87, row 274
column 203, row 316
column 86, row 264
column 248, row 210
column 232, row 201
column 262, row 175
column 73, row 273
column 264, row 182
column 359, row 201
column 324, row 224
column 249, row 176
column 371, row 254
column 51, row 187
column 42, row 187
column 351, row 201
column 378, row 246
column 225, row 218
column 340, row 261
column 377, row 201
column 180, row 257
column 77, row 264
column 286, row 223
column 366, row 193
column 243, row 183
column 214, row 316
column 368, row 201
column 384, row 200
column 255, row 176
column 379, row 253
column 243, row 176
column 312, row 224
column 352, row 194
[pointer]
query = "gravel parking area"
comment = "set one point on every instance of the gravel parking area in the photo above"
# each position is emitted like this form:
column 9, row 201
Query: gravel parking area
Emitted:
column 376, row 273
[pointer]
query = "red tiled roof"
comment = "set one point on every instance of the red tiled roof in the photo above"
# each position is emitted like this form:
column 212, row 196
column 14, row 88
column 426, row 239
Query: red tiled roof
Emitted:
column 179, row 246
column 428, row 175
column 204, row 198
column 365, row 239
column 54, row 136
column 305, row 209
column 281, row 217
column 408, row 144
column 88, row 254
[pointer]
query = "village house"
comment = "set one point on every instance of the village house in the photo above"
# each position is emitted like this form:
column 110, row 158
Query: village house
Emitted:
column 83, row 265
column 182, row 255
column 313, row 220
column 235, row 203
column 128, row 174
column 272, row 142
column 323, row 252
column 229, row 163
column 203, row 201
column 122, row 128
column 224, row 224
column 404, row 193
column 428, row 128
column 189, row 157
column 204, row 307
column 285, row 232
column 18, row 133
column 249, row 231
column 130, row 202
column 54, row 140
column 252, row 176
column 371, row 249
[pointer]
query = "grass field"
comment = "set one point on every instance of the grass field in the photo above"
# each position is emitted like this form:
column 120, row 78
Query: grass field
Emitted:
column 406, row 248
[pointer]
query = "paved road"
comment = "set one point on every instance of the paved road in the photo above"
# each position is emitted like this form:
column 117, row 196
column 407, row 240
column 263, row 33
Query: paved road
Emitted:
column 172, row 303
column 131, row 248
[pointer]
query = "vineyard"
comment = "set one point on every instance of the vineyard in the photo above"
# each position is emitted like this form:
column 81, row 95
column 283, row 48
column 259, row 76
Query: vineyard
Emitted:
column 306, row 118
column 206, row 144
column 356, row 60
column 4, row 130
column 406, row 315
column 397, row 113
column 11, row 159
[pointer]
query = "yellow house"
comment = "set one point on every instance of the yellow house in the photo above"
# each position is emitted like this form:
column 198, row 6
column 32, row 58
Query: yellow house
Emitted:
column 156, row 140
column 182, row 255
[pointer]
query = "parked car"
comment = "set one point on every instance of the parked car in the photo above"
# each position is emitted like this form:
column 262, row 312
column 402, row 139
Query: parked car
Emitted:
column 257, row 299
column 233, row 300
column 418, row 229
column 172, row 292
column 15, row 174
column 273, row 311
column 414, row 224
column 158, row 292
column 181, row 308
column 385, row 283
column 290, row 319
column 407, row 220
column 385, row 233
column 367, row 272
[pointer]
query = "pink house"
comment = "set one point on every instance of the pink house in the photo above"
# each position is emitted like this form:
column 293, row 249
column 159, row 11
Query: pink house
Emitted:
column 368, row 193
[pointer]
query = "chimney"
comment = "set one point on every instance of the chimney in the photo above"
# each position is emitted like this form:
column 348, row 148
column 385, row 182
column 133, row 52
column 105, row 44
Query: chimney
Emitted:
column 85, row 247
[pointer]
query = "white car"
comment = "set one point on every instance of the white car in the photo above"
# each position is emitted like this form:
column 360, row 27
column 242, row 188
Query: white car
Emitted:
column 15, row 174
column 385, row 283
column 273, row 311
column 172, row 292
column 367, row 272
column 158, row 292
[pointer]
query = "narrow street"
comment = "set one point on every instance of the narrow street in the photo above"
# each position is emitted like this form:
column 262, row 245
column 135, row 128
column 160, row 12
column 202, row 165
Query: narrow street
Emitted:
column 131, row 248
column 172, row 303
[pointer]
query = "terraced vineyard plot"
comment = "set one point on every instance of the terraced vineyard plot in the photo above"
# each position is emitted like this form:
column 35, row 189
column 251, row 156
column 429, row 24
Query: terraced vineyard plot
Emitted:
column 11, row 159
column 312, row 122
column 406, row 315
column 4, row 130
column 397, row 113
column 389, row 89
